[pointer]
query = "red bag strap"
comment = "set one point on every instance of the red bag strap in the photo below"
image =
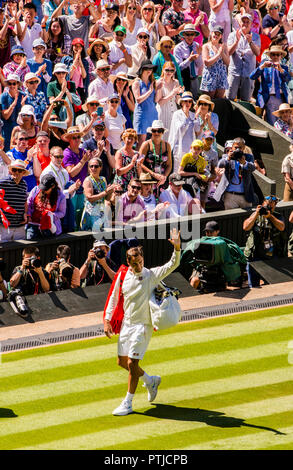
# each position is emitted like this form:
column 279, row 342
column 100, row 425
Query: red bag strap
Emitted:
column 123, row 270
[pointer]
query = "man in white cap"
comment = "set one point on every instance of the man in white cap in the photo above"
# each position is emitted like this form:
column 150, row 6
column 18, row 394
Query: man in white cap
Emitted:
column 15, row 195
column 244, row 47
column 39, row 65
column 102, row 87
column 98, row 268
column 34, row 97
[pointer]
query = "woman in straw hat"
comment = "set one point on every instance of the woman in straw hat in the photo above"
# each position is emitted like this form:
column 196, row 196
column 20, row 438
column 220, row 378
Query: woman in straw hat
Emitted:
column 284, row 122
column 185, row 127
column 209, row 121
column 164, row 47
column 121, row 84
column 98, row 50
column 274, row 76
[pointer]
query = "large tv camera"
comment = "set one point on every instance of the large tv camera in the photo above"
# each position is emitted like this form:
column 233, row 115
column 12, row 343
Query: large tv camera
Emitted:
column 18, row 302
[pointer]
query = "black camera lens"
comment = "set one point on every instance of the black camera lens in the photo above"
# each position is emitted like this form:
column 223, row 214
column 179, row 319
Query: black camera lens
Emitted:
column 35, row 262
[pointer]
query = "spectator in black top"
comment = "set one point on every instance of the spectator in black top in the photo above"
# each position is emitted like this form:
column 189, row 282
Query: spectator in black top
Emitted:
column 98, row 268
column 15, row 195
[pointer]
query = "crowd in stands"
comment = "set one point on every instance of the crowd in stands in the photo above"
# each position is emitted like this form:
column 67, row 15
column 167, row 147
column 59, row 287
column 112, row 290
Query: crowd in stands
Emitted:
column 108, row 114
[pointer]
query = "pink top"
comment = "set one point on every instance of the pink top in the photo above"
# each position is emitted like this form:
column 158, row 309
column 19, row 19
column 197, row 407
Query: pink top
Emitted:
column 191, row 17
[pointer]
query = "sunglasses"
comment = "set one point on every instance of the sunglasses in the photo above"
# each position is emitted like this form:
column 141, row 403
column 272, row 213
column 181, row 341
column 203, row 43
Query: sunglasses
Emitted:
column 26, row 115
column 59, row 73
column 274, row 8
column 93, row 104
column 107, row 69
column 148, row 9
column 270, row 198
column 12, row 83
column 21, row 139
column 120, row 34
column 114, row 101
column 189, row 34
column 17, row 170
column 157, row 131
column 94, row 166
column 33, row 82
column 143, row 37
column 203, row 104
column 275, row 54
column 58, row 156
column 131, row 8
column 167, row 47
column 118, row 192
column 170, row 70
column 138, row 188
column 76, row 137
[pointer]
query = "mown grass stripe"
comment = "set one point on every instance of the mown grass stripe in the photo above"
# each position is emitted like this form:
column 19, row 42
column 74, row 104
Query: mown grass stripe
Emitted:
column 102, row 407
column 155, row 427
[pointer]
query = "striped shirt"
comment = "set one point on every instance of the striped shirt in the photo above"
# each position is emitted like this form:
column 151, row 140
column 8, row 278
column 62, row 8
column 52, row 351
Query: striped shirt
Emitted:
column 16, row 196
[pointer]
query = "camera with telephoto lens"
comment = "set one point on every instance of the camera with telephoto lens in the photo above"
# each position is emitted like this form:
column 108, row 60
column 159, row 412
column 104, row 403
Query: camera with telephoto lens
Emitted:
column 18, row 302
column 34, row 262
column 264, row 210
column 237, row 155
column 100, row 254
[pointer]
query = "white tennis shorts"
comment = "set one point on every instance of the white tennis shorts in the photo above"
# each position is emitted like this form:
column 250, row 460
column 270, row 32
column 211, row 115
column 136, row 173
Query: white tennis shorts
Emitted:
column 134, row 339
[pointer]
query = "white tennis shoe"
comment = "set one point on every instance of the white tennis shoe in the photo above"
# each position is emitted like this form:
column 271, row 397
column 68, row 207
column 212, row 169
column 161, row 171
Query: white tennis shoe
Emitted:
column 153, row 387
column 124, row 409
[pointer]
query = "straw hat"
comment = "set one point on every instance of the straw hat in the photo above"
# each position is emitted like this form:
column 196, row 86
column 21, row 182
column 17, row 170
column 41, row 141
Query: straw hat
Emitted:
column 20, row 165
column 95, row 43
column 72, row 131
column 145, row 178
column 189, row 28
column 206, row 99
column 283, row 107
column 120, row 75
column 164, row 39
column 186, row 96
column 277, row 49
column 90, row 99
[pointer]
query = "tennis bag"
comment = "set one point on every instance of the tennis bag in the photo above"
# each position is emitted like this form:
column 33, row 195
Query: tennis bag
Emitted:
column 164, row 307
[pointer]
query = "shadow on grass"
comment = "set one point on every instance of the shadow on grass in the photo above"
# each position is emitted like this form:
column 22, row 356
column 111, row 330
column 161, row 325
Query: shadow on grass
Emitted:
column 7, row 413
column 211, row 418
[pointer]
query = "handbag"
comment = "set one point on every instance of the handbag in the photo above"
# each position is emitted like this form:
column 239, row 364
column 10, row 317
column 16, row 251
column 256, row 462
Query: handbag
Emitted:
column 164, row 307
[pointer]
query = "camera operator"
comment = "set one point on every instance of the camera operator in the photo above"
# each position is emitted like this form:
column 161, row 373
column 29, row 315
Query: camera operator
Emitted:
column 98, row 268
column 236, row 185
column 266, row 238
column 63, row 275
column 30, row 277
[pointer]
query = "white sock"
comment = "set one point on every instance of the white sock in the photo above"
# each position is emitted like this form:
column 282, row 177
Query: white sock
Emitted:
column 147, row 379
column 129, row 396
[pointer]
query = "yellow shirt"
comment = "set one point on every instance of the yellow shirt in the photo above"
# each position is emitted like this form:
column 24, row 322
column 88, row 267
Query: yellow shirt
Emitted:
column 200, row 163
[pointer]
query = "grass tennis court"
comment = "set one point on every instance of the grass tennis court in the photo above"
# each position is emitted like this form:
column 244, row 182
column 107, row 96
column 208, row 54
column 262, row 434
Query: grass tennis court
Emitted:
column 227, row 383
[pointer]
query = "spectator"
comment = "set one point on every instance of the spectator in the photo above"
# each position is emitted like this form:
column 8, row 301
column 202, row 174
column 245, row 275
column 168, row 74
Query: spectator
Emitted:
column 7, row 34
column 103, row 28
column 89, row 107
column 49, row 8
column 266, row 239
column 284, row 122
column 11, row 103
column 95, row 213
column 243, row 46
column 120, row 54
column 211, row 157
column 40, row 66
column 157, row 155
column 273, row 23
column 164, row 47
column 199, row 19
column 126, row 160
column 188, row 56
column 273, row 83
column 216, row 59
column 58, row 43
column 78, row 67
column 193, row 169
column 180, row 202
column 173, row 20
column 98, row 50
column 246, row 7
column 46, row 208
column 131, row 22
column 36, row 99
column 236, row 185
column 209, row 121
column 114, row 122
column 42, row 149
column 15, row 195
column 20, row 152
column 62, row 89
column 29, row 29
column 130, row 206
column 29, row 279
column 98, row 267
column 121, row 84
column 63, row 275
column 53, row 126
column 26, row 122
column 287, row 171
column 184, row 128
column 102, row 86
column 150, row 18
column 144, row 90
column 147, row 184
column 4, row 160
column 101, row 147
column 141, row 50
column 221, row 16
column 18, row 65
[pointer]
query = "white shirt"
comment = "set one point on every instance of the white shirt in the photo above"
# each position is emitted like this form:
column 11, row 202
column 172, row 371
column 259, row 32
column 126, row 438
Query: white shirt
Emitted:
column 60, row 174
column 137, row 289
column 116, row 54
column 178, row 206
column 30, row 35
column 115, row 129
column 101, row 90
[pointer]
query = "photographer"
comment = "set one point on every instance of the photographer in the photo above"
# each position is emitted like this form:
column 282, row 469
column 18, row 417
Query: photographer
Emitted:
column 30, row 277
column 266, row 238
column 236, row 185
column 63, row 275
column 98, row 268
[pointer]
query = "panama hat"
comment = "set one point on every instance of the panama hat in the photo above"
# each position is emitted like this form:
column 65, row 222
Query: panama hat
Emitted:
column 95, row 43
column 90, row 99
column 60, row 67
column 283, row 107
column 101, row 64
column 145, row 178
column 186, row 96
column 274, row 49
column 189, row 28
column 164, row 39
column 20, row 165
column 120, row 75
column 156, row 124
column 206, row 99
column 72, row 131
column 31, row 76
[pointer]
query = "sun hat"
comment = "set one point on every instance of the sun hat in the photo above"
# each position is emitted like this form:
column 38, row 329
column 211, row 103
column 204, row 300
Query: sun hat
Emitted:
column 142, row 30
column 102, row 63
column 189, row 28
column 90, row 99
column 217, row 29
column 122, row 75
column 99, row 243
column 186, row 96
column 72, row 131
column 146, row 64
column 206, row 99
column 156, row 124
column 39, row 42
column 12, row 76
column 113, row 96
column 120, row 28
column 274, row 49
column 246, row 15
column 164, row 39
column 29, row 110
column 31, row 76
column 95, row 43
column 283, row 107
column 20, row 165
column 17, row 50
column 228, row 144
column 47, row 182
column 145, row 178
column 176, row 179
column 60, row 67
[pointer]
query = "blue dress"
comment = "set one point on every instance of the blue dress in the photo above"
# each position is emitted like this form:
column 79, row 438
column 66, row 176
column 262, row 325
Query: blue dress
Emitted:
column 146, row 112
column 214, row 77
